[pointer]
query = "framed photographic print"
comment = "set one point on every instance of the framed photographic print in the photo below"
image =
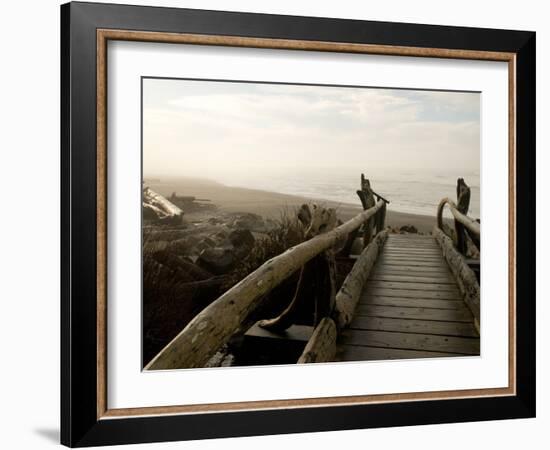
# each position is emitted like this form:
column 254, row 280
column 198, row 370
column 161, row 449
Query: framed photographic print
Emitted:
column 272, row 224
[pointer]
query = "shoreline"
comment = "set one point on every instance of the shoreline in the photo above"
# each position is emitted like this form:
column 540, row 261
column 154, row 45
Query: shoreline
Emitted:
column 272, row 204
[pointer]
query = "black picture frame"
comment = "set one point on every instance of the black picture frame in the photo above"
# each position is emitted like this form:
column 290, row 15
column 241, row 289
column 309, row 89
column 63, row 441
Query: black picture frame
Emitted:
column 80, row 425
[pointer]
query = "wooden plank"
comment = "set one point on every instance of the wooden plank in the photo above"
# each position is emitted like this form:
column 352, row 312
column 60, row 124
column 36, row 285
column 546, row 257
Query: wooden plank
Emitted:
column 412, row 258
column 406, row 258
column 300, row 333
column 412, row 247
column 428, row 245
column 409, row 285
column 419, row 244
column 413, row 251
column 414, row 326
column 412, row 341
column 410, row 262
column 408, row 239
column 422, row 244
column 411, row 265
column 409, row 293
column 415, row 273
column 410, row 243
column 403, row 266
column 447, row 315
column 412, row 271
column 360, row 353
column 418, row 253
column 441, row 276
column 396, row 237
column 394, row 265
column 413, row 302
column 384, row 276
column 415, row 262
column 281, row 348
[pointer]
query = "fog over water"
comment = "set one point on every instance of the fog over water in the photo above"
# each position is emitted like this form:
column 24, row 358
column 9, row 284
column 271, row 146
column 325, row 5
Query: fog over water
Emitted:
column 314, row 141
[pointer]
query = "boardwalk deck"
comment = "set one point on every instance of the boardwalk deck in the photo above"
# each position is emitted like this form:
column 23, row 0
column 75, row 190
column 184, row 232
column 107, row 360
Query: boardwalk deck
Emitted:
column 410, row 307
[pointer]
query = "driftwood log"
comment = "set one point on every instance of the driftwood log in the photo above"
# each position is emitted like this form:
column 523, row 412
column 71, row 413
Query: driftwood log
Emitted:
column 213, row 326
column 348, row 295
column 321, row 347
column 159, row 203
column 472, row 225
column 467, row 231
column 464, row 276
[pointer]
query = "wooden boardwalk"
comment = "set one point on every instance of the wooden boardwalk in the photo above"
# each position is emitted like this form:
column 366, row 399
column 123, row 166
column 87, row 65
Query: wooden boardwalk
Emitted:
column 410, row 307
column 398, row 301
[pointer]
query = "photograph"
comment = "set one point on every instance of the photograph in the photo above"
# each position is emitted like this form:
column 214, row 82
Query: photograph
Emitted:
column 293, row 223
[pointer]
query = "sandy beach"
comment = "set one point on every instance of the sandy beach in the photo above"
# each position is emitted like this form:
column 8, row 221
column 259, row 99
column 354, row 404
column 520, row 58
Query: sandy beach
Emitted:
column 273, row 204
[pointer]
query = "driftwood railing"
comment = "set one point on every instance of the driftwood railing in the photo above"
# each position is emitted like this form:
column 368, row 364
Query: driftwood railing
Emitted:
column 314, row 258
column 463, row 241
column 467, row 230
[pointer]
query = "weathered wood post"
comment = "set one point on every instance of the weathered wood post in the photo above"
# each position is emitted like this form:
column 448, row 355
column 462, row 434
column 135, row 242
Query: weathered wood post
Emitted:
column 381, row 215
column 366, row 195
column 462, row 204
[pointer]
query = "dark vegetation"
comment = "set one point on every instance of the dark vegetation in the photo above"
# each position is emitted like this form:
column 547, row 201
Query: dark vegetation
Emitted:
column 176, row 286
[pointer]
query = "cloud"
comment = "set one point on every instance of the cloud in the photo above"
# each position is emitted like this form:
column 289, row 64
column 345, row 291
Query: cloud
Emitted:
column 191, row 127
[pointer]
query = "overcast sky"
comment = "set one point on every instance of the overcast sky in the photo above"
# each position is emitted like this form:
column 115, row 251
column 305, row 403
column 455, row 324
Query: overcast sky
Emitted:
column 206, row 128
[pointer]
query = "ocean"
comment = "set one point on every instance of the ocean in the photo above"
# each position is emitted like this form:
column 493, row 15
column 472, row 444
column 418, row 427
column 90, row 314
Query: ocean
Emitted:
column 414, row 191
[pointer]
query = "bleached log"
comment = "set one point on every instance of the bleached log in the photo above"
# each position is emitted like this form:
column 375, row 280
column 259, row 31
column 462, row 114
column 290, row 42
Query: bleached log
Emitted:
column 464, row 276
column 211, row 328
column 473, row 226
column 160, row 202
column 348, row 295
column 321, row 346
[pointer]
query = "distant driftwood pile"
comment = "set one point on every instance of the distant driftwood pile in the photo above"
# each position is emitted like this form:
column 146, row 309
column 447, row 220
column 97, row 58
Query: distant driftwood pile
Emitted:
column 157, row 208
column 189, row 203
